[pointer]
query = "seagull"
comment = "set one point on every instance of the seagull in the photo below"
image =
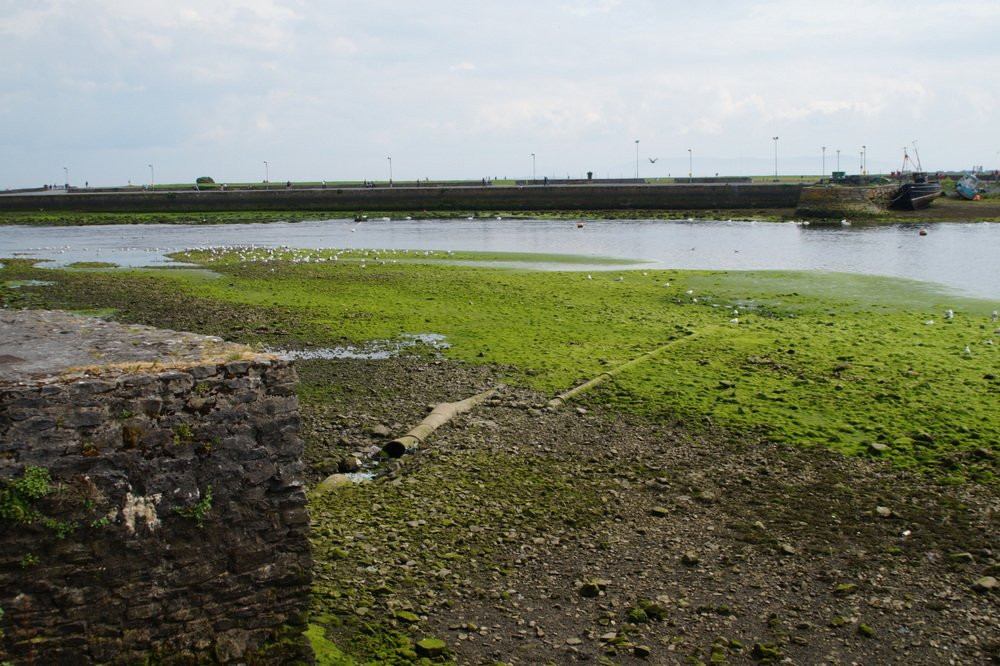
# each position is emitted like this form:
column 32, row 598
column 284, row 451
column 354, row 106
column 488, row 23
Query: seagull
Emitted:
column 994, row 316
column 652, row 160
column 949, row 314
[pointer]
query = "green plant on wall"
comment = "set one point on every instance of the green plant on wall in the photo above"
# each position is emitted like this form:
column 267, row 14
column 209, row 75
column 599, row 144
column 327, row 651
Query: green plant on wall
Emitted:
column 18, row 497
column 199, row 510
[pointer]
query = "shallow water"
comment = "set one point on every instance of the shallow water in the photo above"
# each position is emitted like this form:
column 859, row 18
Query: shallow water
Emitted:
column 376, row 349
column 964, row 257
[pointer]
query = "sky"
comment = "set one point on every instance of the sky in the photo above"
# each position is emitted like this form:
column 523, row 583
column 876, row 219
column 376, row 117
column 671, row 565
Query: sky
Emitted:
column 108, row 92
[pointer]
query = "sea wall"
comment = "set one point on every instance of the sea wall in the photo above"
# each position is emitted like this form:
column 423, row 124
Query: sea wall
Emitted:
column 695, row 196
column 836, row 201
column 152, row 506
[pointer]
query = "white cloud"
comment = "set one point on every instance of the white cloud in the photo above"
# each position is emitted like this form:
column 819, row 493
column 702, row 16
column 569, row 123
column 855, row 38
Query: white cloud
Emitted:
column 459, row 87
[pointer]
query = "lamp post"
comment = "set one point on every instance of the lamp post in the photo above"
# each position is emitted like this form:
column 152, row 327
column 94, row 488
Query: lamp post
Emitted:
column 532, row 168
column 864, row 166
column 823, row 175
column 152, row 179
column 637, row 159
column 266, row 176
column 66, row 171
column 838, row 159
column 775, row 158
column 690, row 169
column 390, row 170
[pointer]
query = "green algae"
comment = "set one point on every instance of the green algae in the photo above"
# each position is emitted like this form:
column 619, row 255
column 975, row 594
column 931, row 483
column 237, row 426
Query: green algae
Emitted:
column 813, row 359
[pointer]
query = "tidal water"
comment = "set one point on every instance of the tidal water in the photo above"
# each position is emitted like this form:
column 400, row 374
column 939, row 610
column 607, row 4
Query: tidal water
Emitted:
column 962, row 257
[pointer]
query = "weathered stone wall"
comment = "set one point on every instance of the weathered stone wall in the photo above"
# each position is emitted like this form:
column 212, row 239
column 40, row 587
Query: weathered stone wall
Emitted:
column 149, row 509
column 431, row 198
column 835, row 201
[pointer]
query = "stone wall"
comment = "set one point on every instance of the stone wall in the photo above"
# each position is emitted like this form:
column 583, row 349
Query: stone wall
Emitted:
column 836, row 201
column 682, row 197
column 152, row 505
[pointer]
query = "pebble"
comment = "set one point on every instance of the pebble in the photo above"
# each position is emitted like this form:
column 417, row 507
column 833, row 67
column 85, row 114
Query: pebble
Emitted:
column 985, row 584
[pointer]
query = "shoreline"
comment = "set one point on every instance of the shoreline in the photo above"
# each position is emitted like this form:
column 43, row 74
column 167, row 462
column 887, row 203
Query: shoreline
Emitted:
column 942, row 210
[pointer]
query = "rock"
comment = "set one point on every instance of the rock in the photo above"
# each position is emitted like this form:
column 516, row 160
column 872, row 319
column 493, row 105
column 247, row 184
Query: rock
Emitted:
column 761, row 651
column 637, row 616
column 381, row 431
column 985, row 584
column 845, row 589
column 866, row 631
column 574, row 641
column 349, row 464
column 660, row 511
column 642, row 651
column 407, row 616
column 332, row 482
column 430, row 647
column 787, row 549
column 690, row 558
column 592, row 588
column 877, row 448
column 884, row 512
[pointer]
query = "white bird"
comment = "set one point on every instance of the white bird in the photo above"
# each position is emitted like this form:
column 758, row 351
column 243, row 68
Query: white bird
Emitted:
column 589, row 277
column 734, row 320
column 949, row 314
column 845, row 223
column 929, row 322
column 619, row 279
column 967, row 351
column 994, row 316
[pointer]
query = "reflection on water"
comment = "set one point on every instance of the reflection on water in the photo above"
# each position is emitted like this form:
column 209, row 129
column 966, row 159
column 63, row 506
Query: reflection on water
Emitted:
column 962, row 256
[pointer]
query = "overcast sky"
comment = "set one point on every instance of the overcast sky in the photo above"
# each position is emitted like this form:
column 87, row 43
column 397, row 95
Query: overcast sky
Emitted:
column 462, row 89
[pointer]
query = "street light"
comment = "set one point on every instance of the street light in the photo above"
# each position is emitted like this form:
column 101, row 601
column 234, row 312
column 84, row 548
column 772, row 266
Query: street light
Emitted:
column 637, row 159
column 864, row 150
column 690, row 170
column 838, row 159
column 823, row 175
column 67, row 177
column 266, row 177
column 532, row 167
column 776, row 158
column 390, row 170
column 152, row 180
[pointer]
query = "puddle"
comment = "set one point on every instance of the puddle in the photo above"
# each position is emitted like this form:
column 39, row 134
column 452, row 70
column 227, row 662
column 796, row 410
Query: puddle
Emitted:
column 375, row 350
column 15, row 284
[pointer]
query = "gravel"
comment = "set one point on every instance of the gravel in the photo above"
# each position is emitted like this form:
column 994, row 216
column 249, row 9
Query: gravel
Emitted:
column 524, row 535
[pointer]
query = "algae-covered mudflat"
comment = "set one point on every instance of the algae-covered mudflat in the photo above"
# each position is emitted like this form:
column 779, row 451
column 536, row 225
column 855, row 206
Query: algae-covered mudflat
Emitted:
column 815, row 359
column 821, row 418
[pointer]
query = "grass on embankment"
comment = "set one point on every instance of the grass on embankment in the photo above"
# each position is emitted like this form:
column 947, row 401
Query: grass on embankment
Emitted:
column 818, row 360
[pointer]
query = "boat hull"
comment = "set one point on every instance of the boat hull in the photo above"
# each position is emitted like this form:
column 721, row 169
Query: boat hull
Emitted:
column 914, row 196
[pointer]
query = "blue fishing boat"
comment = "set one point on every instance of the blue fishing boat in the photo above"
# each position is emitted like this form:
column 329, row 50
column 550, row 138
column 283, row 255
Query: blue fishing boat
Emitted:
column 967, row 187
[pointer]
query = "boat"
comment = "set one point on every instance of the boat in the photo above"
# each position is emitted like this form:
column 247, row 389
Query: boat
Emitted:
column 967, row 187
column 918, row 193
column 916, row 190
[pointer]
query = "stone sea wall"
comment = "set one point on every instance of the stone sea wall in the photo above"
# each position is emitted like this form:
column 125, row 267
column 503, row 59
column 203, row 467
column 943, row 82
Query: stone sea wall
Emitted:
column 150, row 510
column 833, row 201
column 696, row 196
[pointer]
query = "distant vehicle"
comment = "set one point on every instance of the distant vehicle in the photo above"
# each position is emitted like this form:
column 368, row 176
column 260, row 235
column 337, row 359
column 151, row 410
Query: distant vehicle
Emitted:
column 968, row 187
